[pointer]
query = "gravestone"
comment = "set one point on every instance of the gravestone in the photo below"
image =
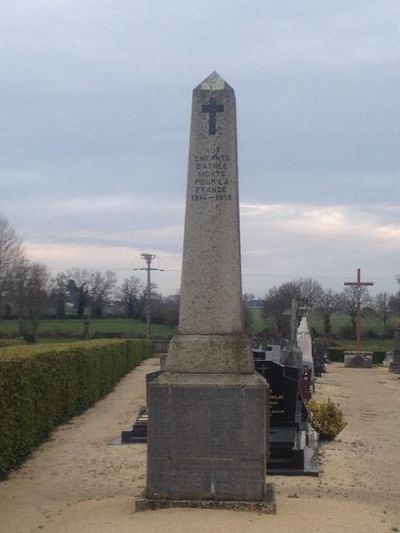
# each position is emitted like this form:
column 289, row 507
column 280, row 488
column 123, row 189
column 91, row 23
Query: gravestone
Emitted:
column 304, row 342
column 292, row 442
column 207, row 412
column 320, row 355
column 358, row 359
column 395, row 364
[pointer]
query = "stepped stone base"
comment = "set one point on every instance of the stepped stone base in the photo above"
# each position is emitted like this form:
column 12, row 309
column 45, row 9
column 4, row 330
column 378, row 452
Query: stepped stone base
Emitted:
column 219, row 354
column 207, row 438
column 358, row 359
column 394, row 367
column 267, row 506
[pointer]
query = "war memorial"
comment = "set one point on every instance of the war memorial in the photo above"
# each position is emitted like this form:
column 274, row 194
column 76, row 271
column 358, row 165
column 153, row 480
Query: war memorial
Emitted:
column 208, row 410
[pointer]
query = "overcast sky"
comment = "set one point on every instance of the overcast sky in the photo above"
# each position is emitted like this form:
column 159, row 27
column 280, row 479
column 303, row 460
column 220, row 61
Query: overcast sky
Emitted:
column 95, row 114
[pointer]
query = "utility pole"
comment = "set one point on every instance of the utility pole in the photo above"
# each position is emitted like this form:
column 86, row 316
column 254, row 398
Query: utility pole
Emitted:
column 148, row 258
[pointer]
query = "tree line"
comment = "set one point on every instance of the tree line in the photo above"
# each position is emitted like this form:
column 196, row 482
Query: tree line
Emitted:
column 325, row 302
column 28, row 292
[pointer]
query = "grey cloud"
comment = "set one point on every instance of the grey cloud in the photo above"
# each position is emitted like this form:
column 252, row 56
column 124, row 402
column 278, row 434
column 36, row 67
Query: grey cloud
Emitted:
column 96, row 104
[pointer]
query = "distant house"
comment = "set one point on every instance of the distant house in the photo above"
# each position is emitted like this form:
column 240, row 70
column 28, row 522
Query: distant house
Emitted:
column 257, row 303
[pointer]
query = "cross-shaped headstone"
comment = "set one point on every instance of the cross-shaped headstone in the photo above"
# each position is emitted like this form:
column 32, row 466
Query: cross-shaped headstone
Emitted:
column 358, row 284
column 212, row 108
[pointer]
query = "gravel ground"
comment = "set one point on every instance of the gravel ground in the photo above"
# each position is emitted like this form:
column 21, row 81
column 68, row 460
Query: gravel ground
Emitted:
column 78, row 482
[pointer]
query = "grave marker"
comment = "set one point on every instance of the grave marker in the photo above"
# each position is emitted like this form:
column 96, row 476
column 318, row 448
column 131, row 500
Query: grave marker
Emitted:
column 358, row 358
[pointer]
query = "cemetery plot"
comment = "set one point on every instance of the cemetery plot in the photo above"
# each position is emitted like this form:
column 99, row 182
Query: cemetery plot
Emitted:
column 292, row 443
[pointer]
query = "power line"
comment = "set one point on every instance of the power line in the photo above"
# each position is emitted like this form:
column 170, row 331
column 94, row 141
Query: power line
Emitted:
column 108, row 268
column 244, row 272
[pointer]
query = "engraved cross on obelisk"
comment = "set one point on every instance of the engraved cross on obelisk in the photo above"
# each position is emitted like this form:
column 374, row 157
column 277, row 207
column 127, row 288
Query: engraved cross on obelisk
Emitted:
column 212, row 108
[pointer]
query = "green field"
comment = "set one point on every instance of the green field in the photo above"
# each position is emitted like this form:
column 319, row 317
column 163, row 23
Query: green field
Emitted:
column 64, row 330
column 371, row 330
column 53, row 331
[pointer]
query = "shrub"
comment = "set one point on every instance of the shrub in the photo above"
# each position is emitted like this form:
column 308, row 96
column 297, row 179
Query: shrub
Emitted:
column 336, row 355
column 44, row 385
column 378, row 357
column 326, row 418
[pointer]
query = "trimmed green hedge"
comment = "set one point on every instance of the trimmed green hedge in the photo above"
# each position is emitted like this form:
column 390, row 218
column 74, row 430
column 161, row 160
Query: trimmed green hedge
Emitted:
column 336, row 355
column 44, row 385
column 378, row 357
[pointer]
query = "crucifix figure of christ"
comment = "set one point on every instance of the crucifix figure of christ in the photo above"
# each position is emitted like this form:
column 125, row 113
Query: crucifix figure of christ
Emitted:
column 212, row 108
column 358, row 284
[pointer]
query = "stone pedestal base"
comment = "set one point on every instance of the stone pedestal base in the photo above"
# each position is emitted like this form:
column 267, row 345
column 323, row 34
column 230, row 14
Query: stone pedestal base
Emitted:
column 207, row 438
column 394, row 366
column 358, row 359
column 220, row 354
column 267, row 506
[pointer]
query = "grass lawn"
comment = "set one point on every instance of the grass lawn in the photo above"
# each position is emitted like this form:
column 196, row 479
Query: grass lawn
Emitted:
column 370, row 327
column 64, row 330
column 53, row 331
column 368, row 345
column 259, row 323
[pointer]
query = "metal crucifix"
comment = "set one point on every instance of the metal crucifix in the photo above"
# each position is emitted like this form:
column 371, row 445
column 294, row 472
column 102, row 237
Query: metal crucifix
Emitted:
column 358, row 284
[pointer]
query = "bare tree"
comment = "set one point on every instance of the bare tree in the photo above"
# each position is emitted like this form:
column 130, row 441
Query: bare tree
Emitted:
column 310, row 291
column 248, row 319
column 155, row 304
column 94, row 288
column 10, row 254
column 101, row 287
column 394, row 300
column 30, row 292
column 129, row 293
column 394, row 303
column 327, row 303
column 59, row 293
column 77, row 286
column 278, row 301
column 171, row 310
column 382, row 309
column 348, row 302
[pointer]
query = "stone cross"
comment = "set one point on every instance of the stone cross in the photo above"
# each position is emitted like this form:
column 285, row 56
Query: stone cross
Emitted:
column 358, row 284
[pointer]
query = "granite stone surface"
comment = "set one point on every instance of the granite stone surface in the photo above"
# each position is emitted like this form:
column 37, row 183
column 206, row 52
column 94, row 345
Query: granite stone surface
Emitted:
column 358, row 359
column 206, row 437
column 266, row 506
column 211, row 292
column 210, row 354
column 207, row 412
column 210, row 333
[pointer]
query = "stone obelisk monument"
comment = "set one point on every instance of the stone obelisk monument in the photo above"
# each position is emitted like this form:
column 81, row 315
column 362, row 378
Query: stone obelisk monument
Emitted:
column 207, row 412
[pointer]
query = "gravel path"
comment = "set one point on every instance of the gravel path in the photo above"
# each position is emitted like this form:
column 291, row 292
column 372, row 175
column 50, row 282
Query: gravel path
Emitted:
column 78, row 482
